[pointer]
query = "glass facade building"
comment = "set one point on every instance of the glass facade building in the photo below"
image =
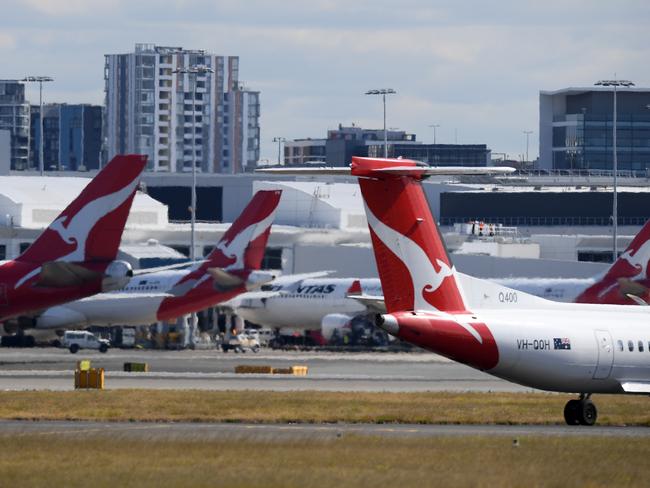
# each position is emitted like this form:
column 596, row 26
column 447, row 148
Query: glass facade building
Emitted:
column 14, row 117
column 576, row 129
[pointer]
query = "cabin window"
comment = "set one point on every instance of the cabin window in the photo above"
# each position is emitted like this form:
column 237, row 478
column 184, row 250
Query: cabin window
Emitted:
column 620, row 345
column 630, row 345
column 640, row 346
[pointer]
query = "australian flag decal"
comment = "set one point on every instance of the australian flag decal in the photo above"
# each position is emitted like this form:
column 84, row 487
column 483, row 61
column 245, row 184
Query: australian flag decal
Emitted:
column 561, row 343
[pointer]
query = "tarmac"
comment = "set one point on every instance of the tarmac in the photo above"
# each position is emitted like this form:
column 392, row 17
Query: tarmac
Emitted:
column 52, row 369
column 278, row 432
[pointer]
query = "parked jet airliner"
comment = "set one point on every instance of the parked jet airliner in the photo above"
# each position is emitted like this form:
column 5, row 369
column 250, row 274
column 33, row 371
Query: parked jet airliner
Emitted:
column 75, row 256
column 230, row 269
column 573, row 348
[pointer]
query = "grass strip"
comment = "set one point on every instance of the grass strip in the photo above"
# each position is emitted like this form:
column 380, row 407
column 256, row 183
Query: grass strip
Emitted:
column 312, row 407
column 350, row 461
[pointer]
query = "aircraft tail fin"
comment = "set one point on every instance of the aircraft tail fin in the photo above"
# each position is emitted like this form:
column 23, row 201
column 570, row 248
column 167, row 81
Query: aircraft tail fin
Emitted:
column 244, row 243
column 414, row 266
column 630, row 267
column 90, row 228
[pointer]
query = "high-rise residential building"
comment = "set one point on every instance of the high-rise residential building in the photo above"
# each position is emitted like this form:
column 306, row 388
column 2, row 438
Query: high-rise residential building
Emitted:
column 173, row 117
column 72, row 136
column 14, row 117
column 576, row 129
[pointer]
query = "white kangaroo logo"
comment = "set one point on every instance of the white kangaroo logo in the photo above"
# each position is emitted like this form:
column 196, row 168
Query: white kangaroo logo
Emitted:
column 639, row 258
column 82, row 223
column 423, row 274
column 420, row 268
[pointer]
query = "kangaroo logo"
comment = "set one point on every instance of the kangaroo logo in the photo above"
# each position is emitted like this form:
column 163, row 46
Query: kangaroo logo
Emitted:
column 638, row 258
column 81, row 224
column 424, row 276
column 235, row 248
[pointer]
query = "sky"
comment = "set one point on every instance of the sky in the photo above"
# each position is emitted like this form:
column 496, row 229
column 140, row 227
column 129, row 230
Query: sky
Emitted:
column 474, row 67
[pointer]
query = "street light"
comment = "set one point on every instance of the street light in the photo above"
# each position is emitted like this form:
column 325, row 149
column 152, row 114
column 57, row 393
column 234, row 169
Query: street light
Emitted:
column 615, row 84
column 40, row 80
column 434, row 126
column 383, row 92
column 279, row 140
column 193, row 70
column 528, row 133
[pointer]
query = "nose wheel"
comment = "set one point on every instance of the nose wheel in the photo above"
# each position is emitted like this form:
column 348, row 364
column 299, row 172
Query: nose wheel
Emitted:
column 580, row 412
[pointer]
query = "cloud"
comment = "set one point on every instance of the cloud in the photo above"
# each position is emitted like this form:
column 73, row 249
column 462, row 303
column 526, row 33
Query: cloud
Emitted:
column 474, row 66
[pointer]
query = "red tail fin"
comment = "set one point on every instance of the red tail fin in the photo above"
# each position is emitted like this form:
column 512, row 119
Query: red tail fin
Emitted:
column 243, row 244
column 631, row 266
column 415, row 270
column 90, row 228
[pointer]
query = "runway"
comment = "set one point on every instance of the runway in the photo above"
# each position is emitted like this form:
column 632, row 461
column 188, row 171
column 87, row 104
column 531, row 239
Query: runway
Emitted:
column 52, row 369
column 214, row 431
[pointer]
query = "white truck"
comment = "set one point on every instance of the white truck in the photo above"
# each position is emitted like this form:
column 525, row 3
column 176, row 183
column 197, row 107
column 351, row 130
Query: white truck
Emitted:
column 82, row 339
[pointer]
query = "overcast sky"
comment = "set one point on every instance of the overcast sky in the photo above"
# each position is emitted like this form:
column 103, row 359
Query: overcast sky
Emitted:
column 474, row 67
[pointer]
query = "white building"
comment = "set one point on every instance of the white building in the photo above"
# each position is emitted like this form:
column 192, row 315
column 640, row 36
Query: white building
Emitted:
column 152, row 109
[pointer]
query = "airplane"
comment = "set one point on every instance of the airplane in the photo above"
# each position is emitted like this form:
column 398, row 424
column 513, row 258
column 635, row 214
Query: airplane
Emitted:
column 329, row 304
column 233, row 267
column 75, row 256
column 563, row 347
column 306, row 303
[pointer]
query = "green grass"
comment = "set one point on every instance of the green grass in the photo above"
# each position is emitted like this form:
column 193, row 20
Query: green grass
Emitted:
column 312, row 407
column 351, row 461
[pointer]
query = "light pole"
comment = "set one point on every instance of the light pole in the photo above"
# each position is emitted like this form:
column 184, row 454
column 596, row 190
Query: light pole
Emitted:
column 434, row 126
column 528, row 133
column 40, row 80
column 615, row 84
column 279, row 140
column 193, row 70
column 383, row 92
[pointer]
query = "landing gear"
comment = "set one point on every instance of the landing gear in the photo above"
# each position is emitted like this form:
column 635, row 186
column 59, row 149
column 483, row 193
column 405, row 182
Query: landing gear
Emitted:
column 580, row 412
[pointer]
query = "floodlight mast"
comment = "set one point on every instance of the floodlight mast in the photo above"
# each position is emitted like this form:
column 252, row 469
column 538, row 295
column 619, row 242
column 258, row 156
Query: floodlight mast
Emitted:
column 615, row 83
column 383, row 92
column 195, row 70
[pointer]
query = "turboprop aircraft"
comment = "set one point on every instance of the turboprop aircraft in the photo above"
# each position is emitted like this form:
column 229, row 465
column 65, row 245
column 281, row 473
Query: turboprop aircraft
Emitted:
column 75, row 256
column 563, row 347
column 230, row 269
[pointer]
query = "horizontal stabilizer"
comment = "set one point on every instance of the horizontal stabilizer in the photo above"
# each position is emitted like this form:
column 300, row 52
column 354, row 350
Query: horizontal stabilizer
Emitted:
column 395, row 170
column 373, row 303
column 224, row 279
column 636, row 387
column 169, row 267
column 61, row 274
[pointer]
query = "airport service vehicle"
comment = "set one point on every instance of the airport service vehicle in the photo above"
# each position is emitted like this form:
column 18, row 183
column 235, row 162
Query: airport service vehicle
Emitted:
column 241, row 343
column 75, row 256
column 82, row 339
column 233, row 267
column 563, row 347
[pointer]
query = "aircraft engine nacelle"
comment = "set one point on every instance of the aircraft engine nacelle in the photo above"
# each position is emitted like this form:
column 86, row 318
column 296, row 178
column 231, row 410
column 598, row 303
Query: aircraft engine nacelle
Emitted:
column 59, row 318
column 335, row 322
column 258, row 278
column 116, row 276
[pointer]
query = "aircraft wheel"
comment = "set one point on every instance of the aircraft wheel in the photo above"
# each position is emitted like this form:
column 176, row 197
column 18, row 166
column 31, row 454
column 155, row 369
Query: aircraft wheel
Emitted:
column 571, row 410
column 587, row 412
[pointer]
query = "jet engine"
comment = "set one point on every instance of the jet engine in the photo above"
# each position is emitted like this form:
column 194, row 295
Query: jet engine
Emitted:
column 116, row 276
column 60, row 317
column 335, row 322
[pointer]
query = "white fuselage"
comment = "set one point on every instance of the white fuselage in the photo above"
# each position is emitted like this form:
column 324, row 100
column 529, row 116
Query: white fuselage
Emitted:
column 136, row 304
column 302, row 305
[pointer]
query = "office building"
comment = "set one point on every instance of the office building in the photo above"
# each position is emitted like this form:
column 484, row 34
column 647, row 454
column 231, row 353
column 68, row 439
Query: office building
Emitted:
column 576, row 129
column 14, row 117
column 437, row 154
column 174, row 118
column 72, row 137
